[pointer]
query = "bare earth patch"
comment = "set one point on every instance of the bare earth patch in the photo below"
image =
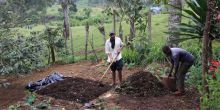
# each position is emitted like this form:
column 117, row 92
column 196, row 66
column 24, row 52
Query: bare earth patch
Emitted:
column 87, row 72
column 75, row 89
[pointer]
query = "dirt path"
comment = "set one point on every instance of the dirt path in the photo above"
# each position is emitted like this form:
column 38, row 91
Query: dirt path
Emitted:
column 87, row 70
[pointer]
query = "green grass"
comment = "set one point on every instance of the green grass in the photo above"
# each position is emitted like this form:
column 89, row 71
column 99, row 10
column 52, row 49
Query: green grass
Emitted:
column 159, row 26
column 79, row 36
column 54, row 10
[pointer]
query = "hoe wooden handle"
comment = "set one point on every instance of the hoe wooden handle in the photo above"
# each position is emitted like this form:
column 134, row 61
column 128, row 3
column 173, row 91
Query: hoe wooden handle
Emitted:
column 108, row 68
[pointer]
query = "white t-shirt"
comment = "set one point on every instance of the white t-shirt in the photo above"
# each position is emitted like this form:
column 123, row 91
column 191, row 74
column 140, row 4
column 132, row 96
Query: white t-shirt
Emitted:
column 108, row 48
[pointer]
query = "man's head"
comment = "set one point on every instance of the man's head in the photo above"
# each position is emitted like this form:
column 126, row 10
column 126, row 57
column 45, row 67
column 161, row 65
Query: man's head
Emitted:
column 112, row 34
column 166, row 50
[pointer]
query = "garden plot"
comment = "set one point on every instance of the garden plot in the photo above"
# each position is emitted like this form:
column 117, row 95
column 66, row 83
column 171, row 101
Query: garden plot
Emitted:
column 75, row 89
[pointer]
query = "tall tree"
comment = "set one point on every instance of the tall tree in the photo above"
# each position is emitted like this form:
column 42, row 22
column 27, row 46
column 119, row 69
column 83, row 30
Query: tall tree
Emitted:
column 130, row 8
column 205, row 46
column 149, row 27
column 54, row 41
column 174, row 20
column 65, row 6
column 206, row 39
column 22, row 12
column 114, row 20
column 196, row 13
column 101, row 29
column 86, row 40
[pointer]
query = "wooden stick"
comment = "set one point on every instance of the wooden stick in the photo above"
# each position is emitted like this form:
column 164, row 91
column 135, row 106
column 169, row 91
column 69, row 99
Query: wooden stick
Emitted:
column 108, row 68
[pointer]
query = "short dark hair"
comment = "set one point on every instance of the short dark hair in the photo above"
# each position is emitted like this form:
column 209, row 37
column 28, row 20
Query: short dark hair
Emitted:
column 111, row 33
column 166, row 50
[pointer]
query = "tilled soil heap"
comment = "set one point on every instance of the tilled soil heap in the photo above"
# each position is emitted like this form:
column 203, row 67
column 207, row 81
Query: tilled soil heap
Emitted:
column 75, row 89
column 142, row 84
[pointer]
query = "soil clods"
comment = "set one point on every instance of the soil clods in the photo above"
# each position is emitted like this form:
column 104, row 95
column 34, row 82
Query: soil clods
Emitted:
column 142, row 84
column 75, row 89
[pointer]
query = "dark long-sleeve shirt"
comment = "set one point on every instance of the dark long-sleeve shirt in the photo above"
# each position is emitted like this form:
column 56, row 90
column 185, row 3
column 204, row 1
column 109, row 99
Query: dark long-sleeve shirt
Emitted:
column 181, row 55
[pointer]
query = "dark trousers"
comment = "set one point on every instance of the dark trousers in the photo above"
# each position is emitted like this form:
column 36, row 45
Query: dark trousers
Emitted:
column 180, row 76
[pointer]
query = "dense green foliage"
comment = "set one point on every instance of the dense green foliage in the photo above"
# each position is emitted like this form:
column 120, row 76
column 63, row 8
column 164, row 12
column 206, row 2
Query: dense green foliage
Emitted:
column 20, row 54
column 210, row 100
column 196, row 12
column 22, row 12
column 54, row 42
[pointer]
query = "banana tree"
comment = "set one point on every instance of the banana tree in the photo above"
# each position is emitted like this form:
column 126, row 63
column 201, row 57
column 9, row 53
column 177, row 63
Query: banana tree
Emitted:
column 196, row 13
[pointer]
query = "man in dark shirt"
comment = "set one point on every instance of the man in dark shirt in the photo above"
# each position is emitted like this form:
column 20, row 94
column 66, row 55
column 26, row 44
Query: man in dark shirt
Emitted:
column 181, row 61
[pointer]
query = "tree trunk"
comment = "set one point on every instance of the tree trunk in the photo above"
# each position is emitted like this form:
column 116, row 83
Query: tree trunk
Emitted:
column 132, row 30
column 104, row 39
column 149, row 27
column 64, row 4
column 114, row 21
column 86, row 44
column 93, row 49
column 126, row 40
column 174, row 21
column 120, row 30
column 72, row 48
column 52, row 53
column 210, row 48
column 205, row 43
column 49, row 54
column 102, row 31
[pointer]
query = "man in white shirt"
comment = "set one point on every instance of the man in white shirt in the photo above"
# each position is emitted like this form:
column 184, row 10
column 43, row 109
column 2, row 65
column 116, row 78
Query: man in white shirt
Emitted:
column 113, row 47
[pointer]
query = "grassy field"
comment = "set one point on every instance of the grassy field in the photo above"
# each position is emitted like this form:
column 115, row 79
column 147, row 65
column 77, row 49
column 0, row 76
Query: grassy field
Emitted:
column 159, row 26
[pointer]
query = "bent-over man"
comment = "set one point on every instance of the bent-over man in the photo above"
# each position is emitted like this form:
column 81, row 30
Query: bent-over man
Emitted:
column 181, row 61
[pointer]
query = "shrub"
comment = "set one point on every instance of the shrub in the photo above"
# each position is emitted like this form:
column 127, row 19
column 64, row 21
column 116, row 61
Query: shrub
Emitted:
column 195, row 77
column 210, row 100
column 54, row 42
column 74, row 22
column 20, row 54
column 194, row 49
column 216, row 50
column 130, row 56
column 155, row 53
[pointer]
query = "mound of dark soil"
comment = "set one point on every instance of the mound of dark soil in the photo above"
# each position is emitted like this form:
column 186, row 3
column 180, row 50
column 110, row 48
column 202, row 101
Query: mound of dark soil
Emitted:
column 142, row 84
column 75, row 89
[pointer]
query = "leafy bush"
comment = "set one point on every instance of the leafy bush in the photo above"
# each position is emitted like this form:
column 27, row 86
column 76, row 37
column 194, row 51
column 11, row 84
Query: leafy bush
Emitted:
column 155, row 53
column 130, row 56
column 216, row 51
column 20, row 54
column 195, row 77
column 80, row 18
column 74, row 22
column 54, row 42
column 23, row 54
column 210, row 100
column 194, row 49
